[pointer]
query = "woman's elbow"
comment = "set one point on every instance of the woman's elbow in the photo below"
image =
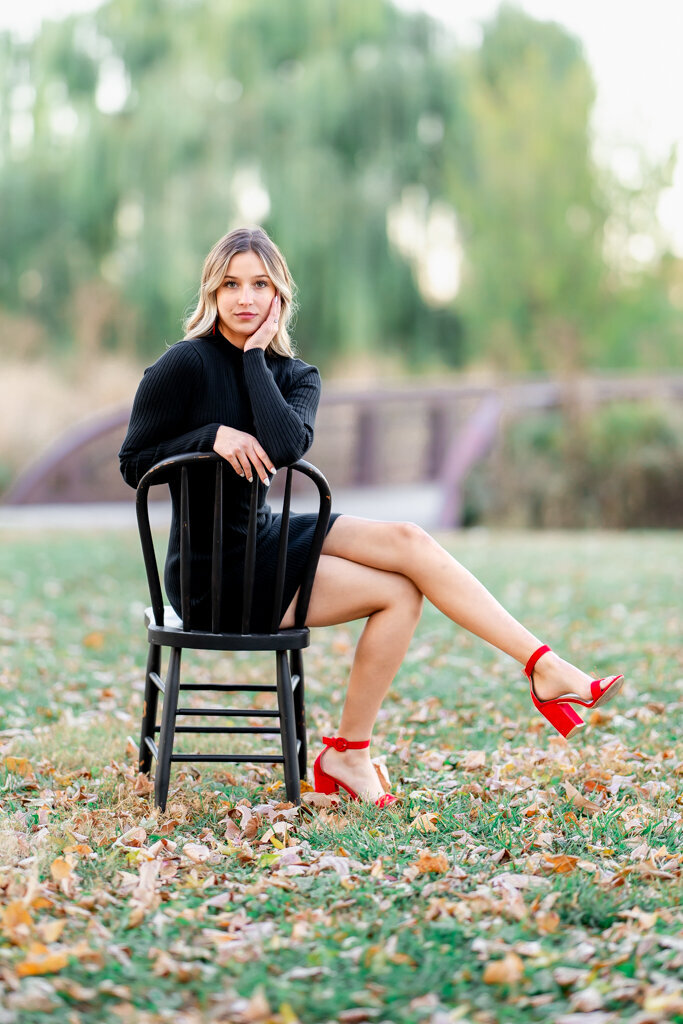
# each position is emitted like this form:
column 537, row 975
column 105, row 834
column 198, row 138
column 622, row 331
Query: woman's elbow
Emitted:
column 129, row 471
column 292, row 450
column 286, row 457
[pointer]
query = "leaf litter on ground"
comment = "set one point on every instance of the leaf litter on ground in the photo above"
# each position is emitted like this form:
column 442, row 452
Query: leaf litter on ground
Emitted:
column 520, row 878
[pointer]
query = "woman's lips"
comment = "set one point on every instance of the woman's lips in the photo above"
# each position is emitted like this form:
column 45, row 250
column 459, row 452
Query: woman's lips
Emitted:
column 245, row 316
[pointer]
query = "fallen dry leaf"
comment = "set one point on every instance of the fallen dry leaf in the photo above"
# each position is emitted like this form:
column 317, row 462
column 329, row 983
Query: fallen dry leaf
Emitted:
column 198, row 853
column 20, row 766
column 425, row 822
column 50, row 931
column 507, row 971
column 587, row 1000
column 168, row 827
column 144, row 895
column 232, row 832
column 41, row 961
column 428, row 862
column 580, row 801
column 16, row 922
column 82, row 849
column 649, row 870
column 560, row 864
column 472, row 760
column 320, row 800
column 135, row 837
column 143, row 784
column 382, row 773
column 60, row 869
column 94, row 640
column 257, row 1009
column 547, row 922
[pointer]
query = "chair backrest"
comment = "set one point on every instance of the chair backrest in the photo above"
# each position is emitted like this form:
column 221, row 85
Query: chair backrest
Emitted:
column 167, row 470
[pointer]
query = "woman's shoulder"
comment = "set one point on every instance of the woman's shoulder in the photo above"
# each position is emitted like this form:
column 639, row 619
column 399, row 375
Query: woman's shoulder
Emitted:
column 181, row 355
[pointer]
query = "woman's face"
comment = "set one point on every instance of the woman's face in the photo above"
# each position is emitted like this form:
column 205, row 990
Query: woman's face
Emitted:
column 244, row 297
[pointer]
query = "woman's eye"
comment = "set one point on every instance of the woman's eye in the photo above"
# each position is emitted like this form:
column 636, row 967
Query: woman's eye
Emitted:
column 261, row 284
column 229, row 284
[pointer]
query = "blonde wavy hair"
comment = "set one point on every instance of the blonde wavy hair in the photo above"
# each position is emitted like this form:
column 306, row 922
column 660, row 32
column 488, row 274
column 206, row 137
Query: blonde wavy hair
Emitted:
column 200, row 322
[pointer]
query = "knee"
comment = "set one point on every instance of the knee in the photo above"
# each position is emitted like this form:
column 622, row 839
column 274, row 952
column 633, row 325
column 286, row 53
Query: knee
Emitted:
column 410, row 537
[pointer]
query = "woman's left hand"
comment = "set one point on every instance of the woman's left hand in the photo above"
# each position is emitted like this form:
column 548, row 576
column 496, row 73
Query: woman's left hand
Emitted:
column 268, row 329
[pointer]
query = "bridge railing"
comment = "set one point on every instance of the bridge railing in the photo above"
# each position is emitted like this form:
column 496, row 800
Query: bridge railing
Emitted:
column 402, row 435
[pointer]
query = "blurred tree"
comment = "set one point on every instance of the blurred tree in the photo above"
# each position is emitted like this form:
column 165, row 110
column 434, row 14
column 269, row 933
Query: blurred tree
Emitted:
column 156, row 126
column 358, row 135
column 534, row 211
column 546, row 230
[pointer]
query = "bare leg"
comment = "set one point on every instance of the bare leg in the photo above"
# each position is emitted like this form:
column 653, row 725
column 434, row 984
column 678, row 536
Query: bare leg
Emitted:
column 343, row 591
column 406, row 548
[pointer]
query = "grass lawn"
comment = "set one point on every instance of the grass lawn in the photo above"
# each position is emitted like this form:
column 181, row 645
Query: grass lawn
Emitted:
column 521, row 879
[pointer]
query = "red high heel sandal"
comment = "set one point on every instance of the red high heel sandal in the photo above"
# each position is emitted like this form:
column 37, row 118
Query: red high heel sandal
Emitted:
column 559, row 711
column 325, row 783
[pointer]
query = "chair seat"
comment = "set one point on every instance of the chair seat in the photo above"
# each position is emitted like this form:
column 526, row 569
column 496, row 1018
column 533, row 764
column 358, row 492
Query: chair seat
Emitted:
column 171, row 619
column 172, row 634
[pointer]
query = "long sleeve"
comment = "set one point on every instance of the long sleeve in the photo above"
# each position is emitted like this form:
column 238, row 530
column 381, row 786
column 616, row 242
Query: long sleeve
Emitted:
column 160, row 411
column 283, row 421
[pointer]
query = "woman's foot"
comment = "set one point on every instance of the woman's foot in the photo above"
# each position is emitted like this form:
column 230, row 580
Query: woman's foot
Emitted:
column 356, row 770
column 552, row 677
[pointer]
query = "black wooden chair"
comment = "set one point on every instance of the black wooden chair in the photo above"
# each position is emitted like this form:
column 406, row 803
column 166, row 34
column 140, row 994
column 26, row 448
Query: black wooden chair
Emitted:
column 165, row 629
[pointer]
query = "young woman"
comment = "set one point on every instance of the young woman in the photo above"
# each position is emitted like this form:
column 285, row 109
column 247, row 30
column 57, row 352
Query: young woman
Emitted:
column 234, row 386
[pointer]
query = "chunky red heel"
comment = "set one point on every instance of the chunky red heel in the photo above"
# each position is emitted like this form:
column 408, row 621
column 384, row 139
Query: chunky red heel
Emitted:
column 325, row 783
column 559, row 711
column 562, row 716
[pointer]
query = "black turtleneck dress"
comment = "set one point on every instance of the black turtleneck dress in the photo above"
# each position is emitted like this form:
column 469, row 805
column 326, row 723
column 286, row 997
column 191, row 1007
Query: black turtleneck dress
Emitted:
column 182, row 400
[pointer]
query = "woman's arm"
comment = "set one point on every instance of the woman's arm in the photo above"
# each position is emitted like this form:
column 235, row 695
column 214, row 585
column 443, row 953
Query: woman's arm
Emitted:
column 283, row 421
column 156, row 429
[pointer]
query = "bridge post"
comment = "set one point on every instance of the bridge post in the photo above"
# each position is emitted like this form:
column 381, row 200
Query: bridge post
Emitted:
column 367, row 444
column 437, row 440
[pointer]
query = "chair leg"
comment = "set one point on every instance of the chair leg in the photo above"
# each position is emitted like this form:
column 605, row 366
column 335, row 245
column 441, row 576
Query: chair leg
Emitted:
column 285, row 702
column 149, row 708
column 297, row 669
column 168, row 715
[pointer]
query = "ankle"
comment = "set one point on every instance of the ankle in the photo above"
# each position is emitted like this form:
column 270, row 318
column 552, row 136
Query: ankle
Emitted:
column 553, row 676
column 351, row 758
column 547, row 666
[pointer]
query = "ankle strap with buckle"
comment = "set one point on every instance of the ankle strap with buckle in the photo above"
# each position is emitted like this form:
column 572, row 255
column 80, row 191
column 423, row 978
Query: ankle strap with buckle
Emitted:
column 340, row 744
column 531, row 663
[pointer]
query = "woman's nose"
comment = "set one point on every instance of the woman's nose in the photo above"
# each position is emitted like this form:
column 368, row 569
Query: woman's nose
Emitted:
column 245, row 295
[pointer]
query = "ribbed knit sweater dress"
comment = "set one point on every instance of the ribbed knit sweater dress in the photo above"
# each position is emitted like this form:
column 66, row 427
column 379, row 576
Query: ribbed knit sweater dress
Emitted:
column 182, row 400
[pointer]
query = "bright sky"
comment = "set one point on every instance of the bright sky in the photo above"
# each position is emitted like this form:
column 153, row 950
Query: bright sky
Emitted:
column 634, row 50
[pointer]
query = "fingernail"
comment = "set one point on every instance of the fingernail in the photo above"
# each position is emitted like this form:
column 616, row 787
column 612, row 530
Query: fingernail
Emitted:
column 272, row 470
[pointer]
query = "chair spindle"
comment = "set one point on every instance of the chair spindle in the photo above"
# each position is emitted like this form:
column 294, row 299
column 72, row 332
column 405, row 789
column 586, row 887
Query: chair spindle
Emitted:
column 185, row 550
column 250, row 558
column 217, row 552
column 282, row 555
